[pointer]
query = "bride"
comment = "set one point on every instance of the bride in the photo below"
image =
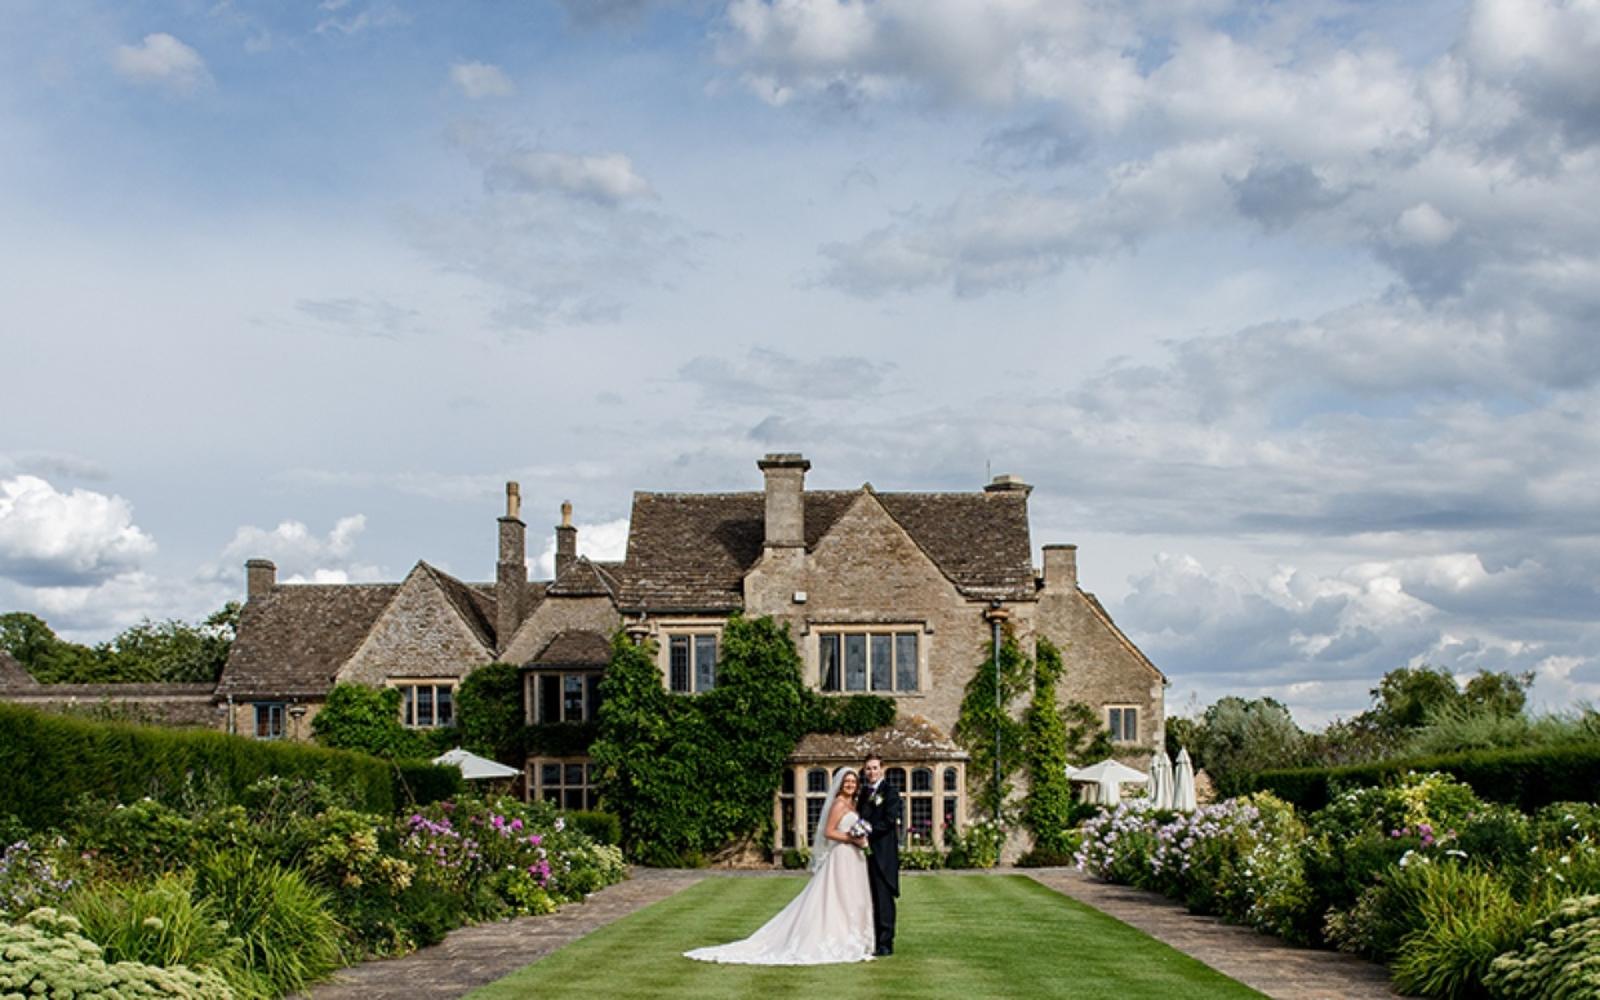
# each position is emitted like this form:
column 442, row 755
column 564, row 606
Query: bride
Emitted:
column 831, row 919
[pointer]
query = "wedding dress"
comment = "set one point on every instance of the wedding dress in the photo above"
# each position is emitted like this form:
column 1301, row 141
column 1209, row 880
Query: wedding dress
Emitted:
column 830, row 921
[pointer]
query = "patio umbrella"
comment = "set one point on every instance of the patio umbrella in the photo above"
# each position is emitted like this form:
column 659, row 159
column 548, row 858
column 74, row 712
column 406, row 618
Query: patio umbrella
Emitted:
column 1108, row 777
column 1161, row 780
column 1183, row 782
column 473, row 767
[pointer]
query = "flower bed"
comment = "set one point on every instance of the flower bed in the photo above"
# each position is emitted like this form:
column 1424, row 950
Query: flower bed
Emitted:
column 1421, row 875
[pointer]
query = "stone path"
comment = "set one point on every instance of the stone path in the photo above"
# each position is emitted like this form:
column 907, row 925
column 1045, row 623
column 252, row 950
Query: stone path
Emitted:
column 1262, row 962
column 471, row 957
column 476, row 956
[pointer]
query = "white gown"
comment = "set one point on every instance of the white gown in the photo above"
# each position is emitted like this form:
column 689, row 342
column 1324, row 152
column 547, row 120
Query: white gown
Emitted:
column 830, row 921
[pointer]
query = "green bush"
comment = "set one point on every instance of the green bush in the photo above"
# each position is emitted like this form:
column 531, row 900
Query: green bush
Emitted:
column 1047, row 807
column 46, row 954
column 851, row 715
column 977, row 847
column 920, row 859
column 67, row 758
column 795, row 858
column 1559, row 958
column 1465, row 918
column 601, row 827
column 288, row 934
column 489, row 711
column 157, row 922
column 1383, row 915
column 1528, row 779
column 31, row 876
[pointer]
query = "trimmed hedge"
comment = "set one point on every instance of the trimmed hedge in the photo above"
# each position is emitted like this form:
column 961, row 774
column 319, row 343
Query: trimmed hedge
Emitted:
column 601, row 827
column 1528, row 779
column 51, row 760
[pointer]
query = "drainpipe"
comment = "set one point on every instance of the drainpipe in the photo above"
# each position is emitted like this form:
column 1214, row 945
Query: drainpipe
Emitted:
column 996, row 614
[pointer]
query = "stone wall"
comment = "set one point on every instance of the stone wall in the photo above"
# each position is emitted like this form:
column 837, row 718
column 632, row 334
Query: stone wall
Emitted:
column 419, row 635
column 244, row 719
column 1101, row 667
column 555, row 615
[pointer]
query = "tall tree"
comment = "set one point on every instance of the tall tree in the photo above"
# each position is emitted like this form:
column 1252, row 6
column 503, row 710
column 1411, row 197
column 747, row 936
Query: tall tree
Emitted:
column 1240, row 737
column 1405, row 696
column 50, row 659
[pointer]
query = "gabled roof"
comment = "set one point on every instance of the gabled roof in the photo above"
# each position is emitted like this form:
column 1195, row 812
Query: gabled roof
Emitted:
column 293, row 639
column 13, row 675
column 586, row 579
column 1105, row 619
column 574, row 648
column 691, row 551
column 475, row 607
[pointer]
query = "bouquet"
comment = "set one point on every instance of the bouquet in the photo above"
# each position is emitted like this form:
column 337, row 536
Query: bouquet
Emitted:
column 862, row 829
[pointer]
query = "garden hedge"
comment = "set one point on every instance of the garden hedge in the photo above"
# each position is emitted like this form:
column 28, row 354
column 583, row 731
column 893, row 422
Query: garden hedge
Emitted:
column 1528, row 779
column 51, row 760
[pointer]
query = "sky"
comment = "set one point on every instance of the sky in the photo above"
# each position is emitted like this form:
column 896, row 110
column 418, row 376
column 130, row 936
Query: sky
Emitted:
column 1287, row 310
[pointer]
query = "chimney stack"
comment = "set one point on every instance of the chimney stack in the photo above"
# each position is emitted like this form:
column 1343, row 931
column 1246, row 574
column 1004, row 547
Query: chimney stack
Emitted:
column 511, row 570
column 260, row 575
column 786, row 510
column 1061, row 566
column 566, row 540
column 1008, row 484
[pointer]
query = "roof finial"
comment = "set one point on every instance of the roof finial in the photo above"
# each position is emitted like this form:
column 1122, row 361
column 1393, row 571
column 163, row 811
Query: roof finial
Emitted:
column 566, row 513
column 513, row 500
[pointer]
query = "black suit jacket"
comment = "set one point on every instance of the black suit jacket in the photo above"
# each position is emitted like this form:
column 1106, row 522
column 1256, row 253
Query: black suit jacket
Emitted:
column 887, row 818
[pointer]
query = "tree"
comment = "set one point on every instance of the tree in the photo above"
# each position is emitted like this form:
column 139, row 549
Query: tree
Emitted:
column 1500, row 694
column 489, row 711
column 983, row 717
column 1047, row 807
column 36, row 647
column 1184, row 734
column 640, row 776
column 167, row 651
column 1405, row 696
column 1239, row 738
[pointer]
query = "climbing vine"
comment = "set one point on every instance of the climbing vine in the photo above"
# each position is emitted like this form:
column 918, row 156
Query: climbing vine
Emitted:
column 983, row 716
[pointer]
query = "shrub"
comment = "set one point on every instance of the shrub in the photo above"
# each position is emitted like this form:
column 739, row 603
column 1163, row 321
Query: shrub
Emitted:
column 287, row 933
column 1528, row 779
column 601, row 827
column 1465, row 918
column 1047, row 807
column 1560, row 957
column 46, row 953
column 796, row 858
column 157, row 923
column 851, row 715
column 1383, row 915
column 978, row 847
column 67, row 758
column 489, row 711
column 30, row 877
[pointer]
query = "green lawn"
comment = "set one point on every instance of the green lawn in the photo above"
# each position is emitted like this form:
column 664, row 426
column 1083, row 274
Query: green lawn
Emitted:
column 960, row 936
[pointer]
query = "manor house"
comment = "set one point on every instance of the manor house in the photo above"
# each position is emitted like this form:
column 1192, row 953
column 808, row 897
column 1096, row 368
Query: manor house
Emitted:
column 896, row 594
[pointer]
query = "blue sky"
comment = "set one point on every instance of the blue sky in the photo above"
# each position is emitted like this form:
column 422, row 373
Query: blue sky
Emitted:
column 1287, row 310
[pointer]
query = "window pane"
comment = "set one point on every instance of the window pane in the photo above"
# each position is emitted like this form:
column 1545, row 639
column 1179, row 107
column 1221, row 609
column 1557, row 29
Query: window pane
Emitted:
column 1130, row 725
column 678, row 656
column 705, row 662
column 813, row 814
column 553, row 794
column 588, row 772
column 950, row 812
column 549, row 774
column 788, row 782
column 592, row 697
column 572, row 698
column 855, row 663
column 882, row 663
column 408, row 705
column 787, row 823
column 591, row 799
column 829, row 655
column 896, row 777
column 921, row 817
column 950, row 779
column 816, row 780
column 549, row 698
column 424, row 705
column 1115, row 718
column 446, row 706
column 922, row 780
column 905, row 661
column 573, row 799
column 574, row 775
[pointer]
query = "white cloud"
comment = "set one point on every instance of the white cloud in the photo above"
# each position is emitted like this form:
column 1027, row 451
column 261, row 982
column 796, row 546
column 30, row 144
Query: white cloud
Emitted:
column 478, row 81
column 1424, row 225
column 300, row 555
column 376, row 15
column 162, row 60
column 603, row 542
column 603, row 178
column 81, row 538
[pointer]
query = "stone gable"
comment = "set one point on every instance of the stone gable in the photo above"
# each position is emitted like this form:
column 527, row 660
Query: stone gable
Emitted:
column 420, row 634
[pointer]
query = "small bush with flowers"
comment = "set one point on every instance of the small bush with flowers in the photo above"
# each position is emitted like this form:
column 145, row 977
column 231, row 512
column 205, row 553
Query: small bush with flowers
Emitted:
column 919, row 854
column 977, row 847
column 31, row 877
column 46, row 954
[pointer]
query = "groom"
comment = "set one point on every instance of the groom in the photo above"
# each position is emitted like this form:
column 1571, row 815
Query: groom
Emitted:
column 879, row 804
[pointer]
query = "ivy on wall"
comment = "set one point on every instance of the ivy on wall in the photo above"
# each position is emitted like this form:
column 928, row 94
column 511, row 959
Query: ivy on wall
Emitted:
column 360, row 717
column 687, row 775
column 983, row 716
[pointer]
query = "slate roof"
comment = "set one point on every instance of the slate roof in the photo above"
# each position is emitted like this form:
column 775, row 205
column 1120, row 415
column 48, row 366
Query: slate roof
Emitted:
column 906, row 740
column 475, row 607
column 12, row 674
column 574, row 648
column 691, row 551
column 586, row 579
column 293, row 640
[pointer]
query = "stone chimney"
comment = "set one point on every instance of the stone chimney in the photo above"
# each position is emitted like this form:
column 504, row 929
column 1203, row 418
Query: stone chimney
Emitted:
column 566, row 540
column 1008, row 484
column 1060, row 566
column 786, row 508
column 260, row 575
column 511, row 570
